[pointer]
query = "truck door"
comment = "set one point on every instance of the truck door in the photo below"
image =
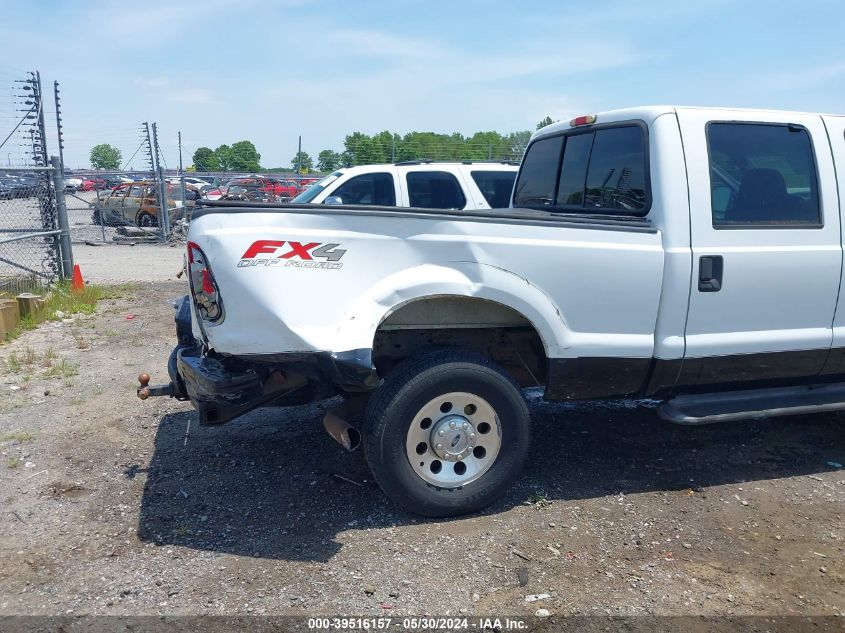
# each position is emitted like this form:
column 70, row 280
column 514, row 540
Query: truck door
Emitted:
column 766, row 246
column 836, row 133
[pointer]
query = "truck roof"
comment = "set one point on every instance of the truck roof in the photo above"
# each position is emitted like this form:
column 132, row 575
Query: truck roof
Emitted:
column 650, row 113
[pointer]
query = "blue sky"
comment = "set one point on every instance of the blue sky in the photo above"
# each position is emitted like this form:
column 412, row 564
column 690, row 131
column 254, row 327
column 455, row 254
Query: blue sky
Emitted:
column 225, row 70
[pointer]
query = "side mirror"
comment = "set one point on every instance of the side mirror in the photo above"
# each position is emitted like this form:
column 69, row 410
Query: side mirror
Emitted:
column 333, row 200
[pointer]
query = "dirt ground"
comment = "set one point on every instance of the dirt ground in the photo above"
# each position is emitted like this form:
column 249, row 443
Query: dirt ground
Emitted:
column 110, row 505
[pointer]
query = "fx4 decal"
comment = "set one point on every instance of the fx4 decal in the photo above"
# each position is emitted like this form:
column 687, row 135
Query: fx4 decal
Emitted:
column 296, row 254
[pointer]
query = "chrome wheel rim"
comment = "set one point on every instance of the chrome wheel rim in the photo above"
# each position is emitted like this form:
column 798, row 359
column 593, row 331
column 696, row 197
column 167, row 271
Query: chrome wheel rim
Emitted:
column 453, row 440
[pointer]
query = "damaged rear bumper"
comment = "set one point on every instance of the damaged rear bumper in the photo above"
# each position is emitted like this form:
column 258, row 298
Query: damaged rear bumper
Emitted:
column 222, row 388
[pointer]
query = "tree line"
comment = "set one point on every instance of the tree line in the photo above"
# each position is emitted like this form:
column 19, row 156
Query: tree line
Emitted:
column 359, row 149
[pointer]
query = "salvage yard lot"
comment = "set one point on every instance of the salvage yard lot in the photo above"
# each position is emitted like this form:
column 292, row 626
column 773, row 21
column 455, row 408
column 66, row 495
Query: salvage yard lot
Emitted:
column 112, row 505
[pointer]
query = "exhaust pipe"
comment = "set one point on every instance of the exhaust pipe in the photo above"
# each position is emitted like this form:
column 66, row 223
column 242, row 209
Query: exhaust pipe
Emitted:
column 336, row 425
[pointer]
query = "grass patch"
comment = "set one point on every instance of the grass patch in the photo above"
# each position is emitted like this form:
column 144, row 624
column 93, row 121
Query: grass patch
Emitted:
column 63, row 369
column 17, row 436
column 14, row 462
column 63, row 302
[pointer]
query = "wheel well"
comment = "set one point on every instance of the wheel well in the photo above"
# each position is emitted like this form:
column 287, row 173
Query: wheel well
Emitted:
column 493, row 329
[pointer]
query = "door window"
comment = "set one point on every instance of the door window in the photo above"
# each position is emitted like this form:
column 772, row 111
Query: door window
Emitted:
column 434, row 190
column 762, row 175
column 376, row 189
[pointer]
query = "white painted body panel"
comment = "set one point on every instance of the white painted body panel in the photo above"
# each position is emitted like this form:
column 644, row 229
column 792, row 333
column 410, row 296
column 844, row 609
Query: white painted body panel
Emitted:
column 589, row 292
column 835, row 126
column 780, row 284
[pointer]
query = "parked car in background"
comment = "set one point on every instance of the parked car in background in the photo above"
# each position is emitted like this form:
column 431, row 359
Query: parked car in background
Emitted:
column 93, row 184
column 72, row 182
column 21, row 185
column 117, row 180
column 424, row 184
column 134, row 203
column 198, row 182
column 257, row 189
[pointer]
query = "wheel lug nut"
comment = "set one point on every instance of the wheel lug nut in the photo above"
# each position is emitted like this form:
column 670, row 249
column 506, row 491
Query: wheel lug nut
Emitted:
column 465, row 426
column 452, row 425
column 441, row 432
column 460, row 457
column 440, row 447
column 472, row 436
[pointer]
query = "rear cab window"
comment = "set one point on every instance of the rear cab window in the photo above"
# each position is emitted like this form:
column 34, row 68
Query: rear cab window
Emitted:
column 434, row 190
column 762, row 175
column 591, row 170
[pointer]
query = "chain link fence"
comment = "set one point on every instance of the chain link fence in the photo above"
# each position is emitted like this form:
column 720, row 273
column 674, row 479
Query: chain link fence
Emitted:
column 34, row 249
column 31, row 254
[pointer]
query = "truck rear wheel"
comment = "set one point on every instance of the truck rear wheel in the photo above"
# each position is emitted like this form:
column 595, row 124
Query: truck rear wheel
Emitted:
column 446, row 433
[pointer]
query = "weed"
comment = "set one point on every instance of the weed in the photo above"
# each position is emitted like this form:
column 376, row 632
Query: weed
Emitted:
column 62, row 369
column 17, row 436
column 78, row 400
column 13, row 462
column 539, row 500
column 49, row 357
column 13, row 363
column 29, row 356
column 81, row 341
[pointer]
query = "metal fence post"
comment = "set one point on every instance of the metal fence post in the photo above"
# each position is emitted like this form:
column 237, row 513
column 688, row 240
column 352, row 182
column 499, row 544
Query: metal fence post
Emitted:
column 65, row 250
column 164, row 210
column 182, row 195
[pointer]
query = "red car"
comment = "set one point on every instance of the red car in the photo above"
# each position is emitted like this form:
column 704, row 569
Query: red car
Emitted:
column 90, row 184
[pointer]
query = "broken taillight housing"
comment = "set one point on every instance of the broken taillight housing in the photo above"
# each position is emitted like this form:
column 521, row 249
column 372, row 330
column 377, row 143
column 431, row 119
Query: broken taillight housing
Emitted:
column 203, row 287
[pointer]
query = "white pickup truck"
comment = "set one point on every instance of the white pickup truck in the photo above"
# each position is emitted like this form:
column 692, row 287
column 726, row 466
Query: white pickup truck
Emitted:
column 692, row 256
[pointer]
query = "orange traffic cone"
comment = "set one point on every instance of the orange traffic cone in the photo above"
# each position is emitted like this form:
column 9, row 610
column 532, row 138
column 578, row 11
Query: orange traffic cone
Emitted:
column 77, row 283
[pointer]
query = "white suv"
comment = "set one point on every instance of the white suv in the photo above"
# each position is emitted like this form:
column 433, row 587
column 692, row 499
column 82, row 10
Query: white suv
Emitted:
column 467, row 185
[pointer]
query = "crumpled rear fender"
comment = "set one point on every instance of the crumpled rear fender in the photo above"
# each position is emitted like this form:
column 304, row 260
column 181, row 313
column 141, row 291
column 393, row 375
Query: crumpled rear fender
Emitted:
column 357, row 330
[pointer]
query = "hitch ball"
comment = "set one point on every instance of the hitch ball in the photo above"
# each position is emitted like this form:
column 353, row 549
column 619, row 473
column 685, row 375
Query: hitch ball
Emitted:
column 144, row 389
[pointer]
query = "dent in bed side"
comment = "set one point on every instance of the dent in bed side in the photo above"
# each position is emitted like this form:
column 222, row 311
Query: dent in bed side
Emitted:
column 460, row 279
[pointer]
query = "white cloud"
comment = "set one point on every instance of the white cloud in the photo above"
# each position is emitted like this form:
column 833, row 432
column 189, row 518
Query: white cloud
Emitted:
column 150, row 82
column 190, row 95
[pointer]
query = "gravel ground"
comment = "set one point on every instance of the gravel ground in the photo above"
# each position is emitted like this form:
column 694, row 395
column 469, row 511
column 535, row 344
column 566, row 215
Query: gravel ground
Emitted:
column 115, row 506
column 121, row 263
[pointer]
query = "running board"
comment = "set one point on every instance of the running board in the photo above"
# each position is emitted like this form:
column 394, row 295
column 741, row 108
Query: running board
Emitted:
column 755, row 404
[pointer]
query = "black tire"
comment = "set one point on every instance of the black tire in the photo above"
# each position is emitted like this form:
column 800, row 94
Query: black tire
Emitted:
column 147, row 220
column 412, row 384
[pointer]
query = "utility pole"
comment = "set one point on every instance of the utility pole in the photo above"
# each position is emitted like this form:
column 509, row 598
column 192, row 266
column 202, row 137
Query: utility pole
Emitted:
column 59, row 126
column 163, row 210
column 299, row 165
column 42, row 132
column 181, row 177
column 150, row 148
